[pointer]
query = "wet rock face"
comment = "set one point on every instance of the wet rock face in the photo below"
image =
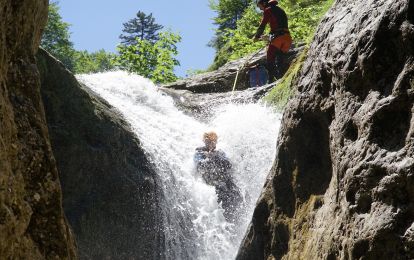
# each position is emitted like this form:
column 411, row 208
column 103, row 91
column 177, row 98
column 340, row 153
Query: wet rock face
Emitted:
column 343, row 181
column 223, row 79
column 202, row 105
column 32, row 224
column 110, row 192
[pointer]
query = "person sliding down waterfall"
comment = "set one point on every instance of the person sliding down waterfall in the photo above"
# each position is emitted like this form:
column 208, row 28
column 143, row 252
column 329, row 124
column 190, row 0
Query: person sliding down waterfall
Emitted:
column 215, row 169
column 280, row 39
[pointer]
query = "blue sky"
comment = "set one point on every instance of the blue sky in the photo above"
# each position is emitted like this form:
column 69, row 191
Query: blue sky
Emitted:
column 97, row 24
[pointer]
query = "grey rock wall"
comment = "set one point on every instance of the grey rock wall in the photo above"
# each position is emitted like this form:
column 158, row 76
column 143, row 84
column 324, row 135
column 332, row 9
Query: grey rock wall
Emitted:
column 110, row 191
column 223, row 79
column 343, row 180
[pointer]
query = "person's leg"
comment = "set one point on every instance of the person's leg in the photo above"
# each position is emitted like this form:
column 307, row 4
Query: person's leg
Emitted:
column 270, row 62
column 282, row 45
column 287, row 43
column 281, row 65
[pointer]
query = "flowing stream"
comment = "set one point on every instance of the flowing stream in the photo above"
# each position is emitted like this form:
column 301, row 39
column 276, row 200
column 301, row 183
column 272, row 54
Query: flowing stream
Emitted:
column 194, row 226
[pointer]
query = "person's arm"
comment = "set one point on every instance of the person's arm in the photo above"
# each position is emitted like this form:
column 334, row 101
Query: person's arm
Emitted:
column 262, row 25
column 199, row 156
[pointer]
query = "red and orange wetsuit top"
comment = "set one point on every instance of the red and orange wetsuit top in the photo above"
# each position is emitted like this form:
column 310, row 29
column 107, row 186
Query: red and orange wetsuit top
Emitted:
column 277, row 19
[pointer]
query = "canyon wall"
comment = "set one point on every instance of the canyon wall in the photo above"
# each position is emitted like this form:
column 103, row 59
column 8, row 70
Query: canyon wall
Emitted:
column 32, row 223
column 111, row 193
column 342, row 185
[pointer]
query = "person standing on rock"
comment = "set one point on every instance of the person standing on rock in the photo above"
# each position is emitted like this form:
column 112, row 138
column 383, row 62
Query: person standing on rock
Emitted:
column 279, row 39
column 215, row 169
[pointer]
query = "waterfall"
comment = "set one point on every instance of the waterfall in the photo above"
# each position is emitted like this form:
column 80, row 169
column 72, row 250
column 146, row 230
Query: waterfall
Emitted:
column 194, row 226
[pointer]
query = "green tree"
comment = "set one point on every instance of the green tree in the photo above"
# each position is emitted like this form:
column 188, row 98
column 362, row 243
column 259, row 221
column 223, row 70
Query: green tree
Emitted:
column 303, row 15
column 56, row 38
column 238, row 42
column 155, row 61
column 142, row 27
column 228, row 13
column 99, row 61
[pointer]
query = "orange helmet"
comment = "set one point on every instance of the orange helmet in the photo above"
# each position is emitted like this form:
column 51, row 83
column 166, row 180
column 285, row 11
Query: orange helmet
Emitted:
column 211, row 136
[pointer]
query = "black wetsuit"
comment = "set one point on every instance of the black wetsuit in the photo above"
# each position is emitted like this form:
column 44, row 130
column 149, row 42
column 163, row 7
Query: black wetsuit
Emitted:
column 215, row 168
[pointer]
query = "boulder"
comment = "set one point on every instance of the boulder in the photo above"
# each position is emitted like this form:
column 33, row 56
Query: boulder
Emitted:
column 222, row 80
column 32, row 223
column 110, row 191
column 202, row 105
column 342, row 184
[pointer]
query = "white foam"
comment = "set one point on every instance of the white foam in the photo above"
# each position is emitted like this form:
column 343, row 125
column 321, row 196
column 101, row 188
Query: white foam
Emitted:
column 247, row 133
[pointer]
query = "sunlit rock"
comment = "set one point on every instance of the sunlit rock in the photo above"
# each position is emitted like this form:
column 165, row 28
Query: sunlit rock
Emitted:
column 342, row 183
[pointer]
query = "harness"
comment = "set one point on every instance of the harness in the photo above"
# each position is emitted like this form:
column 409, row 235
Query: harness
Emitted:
column 277, row 33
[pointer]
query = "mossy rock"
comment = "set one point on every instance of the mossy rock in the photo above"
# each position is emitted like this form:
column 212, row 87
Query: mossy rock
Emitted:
column 281, row 93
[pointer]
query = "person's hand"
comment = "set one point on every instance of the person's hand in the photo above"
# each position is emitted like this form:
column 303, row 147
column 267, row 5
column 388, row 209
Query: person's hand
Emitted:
column 265, row 38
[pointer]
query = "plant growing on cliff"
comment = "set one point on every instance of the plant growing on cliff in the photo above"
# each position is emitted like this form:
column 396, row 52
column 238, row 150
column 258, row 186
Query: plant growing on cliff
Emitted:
column 304, row 15
column 155, row 61
column 193, row 72
column 279, row 95
column 56, row 38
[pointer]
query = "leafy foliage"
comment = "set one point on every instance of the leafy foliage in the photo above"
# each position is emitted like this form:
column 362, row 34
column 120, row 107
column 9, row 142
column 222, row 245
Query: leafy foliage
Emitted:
column 303, row 15
column 228, row 13
column 155, row 61
column 56, row 38
column 147, row 52
column 95, row 62
column 143, row 50
column 142, row 27
column 240, row 40
column 193, row 72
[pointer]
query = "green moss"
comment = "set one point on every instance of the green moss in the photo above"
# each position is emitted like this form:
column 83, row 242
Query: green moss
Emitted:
column 280, row 94
column 301, row 231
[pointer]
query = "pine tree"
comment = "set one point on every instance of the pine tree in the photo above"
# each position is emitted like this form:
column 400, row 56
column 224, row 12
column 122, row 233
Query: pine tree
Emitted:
column 142, row 27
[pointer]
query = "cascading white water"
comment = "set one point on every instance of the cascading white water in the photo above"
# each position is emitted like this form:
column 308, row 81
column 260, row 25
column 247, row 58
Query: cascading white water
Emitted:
column 194, row 224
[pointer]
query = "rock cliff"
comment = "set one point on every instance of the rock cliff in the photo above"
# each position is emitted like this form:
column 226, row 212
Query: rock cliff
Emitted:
column 110, row 192
column 222, row 80
column 342, row 185
column 32, row 224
